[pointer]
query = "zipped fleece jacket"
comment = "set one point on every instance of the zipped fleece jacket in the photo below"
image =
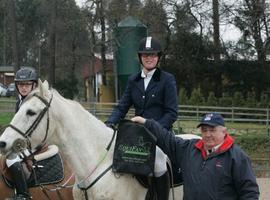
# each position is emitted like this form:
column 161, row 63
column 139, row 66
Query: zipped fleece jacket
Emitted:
column 223, row 175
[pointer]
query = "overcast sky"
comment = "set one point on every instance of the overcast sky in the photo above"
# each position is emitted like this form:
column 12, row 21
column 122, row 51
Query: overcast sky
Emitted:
column 227, row 33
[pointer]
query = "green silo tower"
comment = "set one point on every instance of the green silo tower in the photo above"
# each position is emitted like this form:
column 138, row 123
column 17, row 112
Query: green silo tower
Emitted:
column 128, row 34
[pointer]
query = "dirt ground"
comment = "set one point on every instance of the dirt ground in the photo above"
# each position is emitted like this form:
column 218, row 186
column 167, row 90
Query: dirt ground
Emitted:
column 264, row 185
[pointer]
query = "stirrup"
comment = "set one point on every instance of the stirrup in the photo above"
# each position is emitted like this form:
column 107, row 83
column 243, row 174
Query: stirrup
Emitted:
column 19, row 197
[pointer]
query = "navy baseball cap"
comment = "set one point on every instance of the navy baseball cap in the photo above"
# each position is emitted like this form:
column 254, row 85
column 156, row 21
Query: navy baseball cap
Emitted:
column 212, row 119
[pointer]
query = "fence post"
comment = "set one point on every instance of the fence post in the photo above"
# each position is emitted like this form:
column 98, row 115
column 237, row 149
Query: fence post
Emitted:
column 197, row 110
column 233, row 114
column 267, row 120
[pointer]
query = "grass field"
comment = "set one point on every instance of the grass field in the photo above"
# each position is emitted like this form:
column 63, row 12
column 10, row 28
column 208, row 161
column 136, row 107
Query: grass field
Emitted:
column 233, row 128
column 5, row 118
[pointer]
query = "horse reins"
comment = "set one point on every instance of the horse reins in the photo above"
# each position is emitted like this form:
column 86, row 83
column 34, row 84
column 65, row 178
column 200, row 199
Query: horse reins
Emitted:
column 31, row 129
column 84, row 189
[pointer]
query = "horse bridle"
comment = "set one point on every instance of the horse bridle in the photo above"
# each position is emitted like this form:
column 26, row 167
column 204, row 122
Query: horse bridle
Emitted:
column 31, row 129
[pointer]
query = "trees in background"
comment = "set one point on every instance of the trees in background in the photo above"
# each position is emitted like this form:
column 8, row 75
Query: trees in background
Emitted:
column 52, row 36
column 10, row 7
column 58, row 37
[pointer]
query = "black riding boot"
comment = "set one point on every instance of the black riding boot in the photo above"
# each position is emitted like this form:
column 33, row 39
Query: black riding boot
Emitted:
column 163, row 186
column 18, row 177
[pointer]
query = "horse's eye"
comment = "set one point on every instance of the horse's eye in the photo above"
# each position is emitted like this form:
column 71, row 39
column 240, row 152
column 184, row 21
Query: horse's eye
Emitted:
column 30, row 112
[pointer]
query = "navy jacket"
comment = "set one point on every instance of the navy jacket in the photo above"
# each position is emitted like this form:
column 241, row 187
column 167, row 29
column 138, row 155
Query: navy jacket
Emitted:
column 223, row 175
column 158, row 101
column 18, row 104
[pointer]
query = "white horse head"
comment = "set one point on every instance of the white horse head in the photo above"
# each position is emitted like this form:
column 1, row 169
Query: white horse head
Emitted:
column 46, row 116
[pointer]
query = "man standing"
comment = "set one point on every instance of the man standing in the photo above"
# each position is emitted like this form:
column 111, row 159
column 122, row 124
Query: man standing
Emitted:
column 214, row 167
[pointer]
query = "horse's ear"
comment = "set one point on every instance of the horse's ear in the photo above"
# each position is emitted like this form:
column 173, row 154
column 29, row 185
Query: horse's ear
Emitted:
column 39, row 83
column 43, row 87
column 46, row 84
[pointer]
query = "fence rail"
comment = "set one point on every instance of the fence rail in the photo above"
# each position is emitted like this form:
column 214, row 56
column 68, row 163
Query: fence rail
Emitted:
column 188, row 112
column 185, row 112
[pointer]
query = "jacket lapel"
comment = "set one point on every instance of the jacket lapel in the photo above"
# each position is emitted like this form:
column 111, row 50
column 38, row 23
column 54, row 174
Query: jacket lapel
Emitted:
column 139, row 82
column 154, row 80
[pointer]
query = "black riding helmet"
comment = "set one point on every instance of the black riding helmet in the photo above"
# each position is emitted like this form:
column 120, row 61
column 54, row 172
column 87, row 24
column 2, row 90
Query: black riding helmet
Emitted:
column 26, row 74
column 149, row 45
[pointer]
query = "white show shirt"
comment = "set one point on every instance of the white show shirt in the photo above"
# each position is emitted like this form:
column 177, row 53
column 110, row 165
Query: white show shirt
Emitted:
column 147, row 77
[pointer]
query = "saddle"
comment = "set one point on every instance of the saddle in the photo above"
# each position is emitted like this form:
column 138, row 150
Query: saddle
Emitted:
column 42, row 169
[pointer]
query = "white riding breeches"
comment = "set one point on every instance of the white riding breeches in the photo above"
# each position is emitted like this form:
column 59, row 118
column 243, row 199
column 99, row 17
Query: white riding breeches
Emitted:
column 14, row 157
column 160, row 163
column 11, row 161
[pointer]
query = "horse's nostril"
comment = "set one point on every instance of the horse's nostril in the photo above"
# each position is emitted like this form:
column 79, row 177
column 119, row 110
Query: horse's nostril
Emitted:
column 3, row 144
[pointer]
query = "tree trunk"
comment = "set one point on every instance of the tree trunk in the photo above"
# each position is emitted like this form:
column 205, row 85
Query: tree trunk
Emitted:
column 217, row 46
column 256, row 12
column 52, row 38
column 13, row 27
column 103, row 41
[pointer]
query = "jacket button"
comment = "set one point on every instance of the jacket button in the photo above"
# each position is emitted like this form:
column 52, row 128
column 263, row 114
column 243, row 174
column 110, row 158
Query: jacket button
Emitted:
column 143, row 96
column 153, row 95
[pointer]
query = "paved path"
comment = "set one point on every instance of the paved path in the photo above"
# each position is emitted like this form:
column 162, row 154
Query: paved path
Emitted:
column 264, row 184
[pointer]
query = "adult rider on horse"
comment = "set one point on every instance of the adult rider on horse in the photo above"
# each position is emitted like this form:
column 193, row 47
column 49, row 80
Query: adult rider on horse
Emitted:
column 25, row 81
column 152, row 93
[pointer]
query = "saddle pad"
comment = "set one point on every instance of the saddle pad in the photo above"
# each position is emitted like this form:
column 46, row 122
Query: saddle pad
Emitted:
column 48, row 171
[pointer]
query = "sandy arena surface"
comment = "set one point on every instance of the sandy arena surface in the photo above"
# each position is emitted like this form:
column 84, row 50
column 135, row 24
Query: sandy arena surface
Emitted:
column 264, row 184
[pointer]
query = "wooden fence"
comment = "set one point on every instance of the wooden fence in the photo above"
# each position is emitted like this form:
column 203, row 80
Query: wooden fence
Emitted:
column 185, row 112
column 259, row 116
column 193, row 113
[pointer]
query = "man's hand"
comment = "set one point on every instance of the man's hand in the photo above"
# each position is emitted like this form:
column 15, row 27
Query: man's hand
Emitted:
column 138, row 119
column 110, row 125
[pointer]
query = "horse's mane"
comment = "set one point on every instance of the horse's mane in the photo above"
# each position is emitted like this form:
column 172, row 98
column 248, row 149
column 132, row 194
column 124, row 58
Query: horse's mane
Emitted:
column 68, row 101
column 54, row 92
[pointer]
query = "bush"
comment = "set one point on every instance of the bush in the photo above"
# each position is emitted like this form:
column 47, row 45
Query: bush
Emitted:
column 196, row 97
column 183, row 99
column 254, row 145
column 238, row 99
column 225, row 100
column 211, row 100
